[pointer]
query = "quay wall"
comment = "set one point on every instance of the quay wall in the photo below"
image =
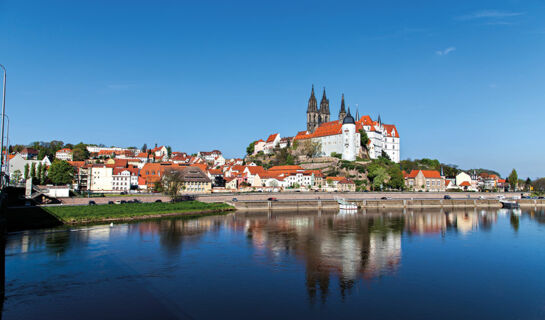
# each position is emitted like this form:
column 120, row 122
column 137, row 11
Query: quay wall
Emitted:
column 376, row 204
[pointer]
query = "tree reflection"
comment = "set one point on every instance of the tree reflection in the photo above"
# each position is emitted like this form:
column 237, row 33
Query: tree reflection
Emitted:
column 515, row 221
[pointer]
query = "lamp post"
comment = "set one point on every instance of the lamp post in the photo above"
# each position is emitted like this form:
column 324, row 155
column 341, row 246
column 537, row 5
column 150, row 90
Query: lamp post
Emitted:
column 6, row 163
column 2, row 128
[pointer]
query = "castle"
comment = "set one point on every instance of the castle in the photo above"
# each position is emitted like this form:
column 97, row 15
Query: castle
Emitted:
column 342, row 136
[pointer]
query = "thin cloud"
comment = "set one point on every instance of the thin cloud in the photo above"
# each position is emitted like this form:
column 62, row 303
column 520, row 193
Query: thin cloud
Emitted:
column 490, row 14
column 445, row 52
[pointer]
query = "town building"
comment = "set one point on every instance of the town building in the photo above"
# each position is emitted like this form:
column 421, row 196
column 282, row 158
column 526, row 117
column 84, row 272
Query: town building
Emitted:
column 65, row 154
column 425, row 180
column 194, row 180
column 100, row 178
column 29, row 153
column 17, row 164
column 272, row 142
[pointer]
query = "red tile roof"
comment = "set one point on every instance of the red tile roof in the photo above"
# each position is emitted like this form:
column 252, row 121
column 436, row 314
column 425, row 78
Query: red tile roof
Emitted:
column 427, row 174
column 272, row 137
column 465, row 184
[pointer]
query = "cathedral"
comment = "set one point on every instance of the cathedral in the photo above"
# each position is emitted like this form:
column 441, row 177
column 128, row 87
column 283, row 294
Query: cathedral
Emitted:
column 342, row 136
column 315, row 116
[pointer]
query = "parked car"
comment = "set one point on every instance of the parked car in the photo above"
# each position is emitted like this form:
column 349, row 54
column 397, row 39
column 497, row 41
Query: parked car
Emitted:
column 234, row 200
column 136, row 201
column 158, row 200
column 384, row 198
column 123, row 201
column 111, row 202
column 272, row 199
column 92, row 203
column 447, row 197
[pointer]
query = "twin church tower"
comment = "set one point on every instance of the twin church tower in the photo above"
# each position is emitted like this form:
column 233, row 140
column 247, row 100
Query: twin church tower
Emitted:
column 315, row 116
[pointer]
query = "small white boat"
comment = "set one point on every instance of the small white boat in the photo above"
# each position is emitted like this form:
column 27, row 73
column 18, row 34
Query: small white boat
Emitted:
column 346, row 205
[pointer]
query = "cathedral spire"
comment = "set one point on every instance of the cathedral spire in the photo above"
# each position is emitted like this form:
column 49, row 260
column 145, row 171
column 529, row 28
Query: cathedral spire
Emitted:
column 379, row 121
column 324, row 108
column 342, row 112
column 357, row 113
column 313, row 118
column 312, row 103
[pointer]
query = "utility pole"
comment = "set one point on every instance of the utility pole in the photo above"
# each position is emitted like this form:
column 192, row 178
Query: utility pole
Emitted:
column 2, row 128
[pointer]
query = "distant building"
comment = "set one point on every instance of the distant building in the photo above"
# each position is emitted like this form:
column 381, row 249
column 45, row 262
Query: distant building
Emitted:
column 64, row 154
column 343, row 136
column 425, row 180
column 29, row 153
column 272, row 142
column 18, row 163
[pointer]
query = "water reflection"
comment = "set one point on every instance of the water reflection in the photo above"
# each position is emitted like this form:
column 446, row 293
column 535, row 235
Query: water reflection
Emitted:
column 337, row 251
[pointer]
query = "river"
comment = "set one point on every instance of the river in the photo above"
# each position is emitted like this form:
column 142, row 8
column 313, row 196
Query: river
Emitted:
column 486, row 264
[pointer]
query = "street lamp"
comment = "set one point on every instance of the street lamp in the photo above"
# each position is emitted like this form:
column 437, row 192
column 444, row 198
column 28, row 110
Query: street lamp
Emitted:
column 2, row 129
column 7, row 147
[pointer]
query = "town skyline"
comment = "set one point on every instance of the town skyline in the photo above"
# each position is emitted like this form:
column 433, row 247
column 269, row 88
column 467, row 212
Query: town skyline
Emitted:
column 462, row 84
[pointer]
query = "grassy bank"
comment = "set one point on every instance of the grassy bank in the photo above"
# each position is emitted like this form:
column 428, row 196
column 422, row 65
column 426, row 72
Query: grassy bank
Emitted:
column 133, row 211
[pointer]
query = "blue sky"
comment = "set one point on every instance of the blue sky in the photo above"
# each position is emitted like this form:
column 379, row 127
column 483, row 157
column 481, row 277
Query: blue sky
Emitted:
column 464, row 81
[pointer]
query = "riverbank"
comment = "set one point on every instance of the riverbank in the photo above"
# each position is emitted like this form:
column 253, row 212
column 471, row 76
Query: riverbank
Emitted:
column 23, row 218
column 291, row 205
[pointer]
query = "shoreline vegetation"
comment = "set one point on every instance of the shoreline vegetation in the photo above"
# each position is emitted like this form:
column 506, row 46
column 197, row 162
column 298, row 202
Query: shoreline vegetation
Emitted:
column 135, row 211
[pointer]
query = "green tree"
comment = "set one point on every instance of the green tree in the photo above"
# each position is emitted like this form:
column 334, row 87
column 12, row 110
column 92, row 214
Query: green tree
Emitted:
column 379, row 179
column 80, row 152
column 513, row 179
column 39, row 173
column 396, row 178
column 17, row 176
column 384, row 155
column 33, row 170
column 364, row 139
column 528, row 184
column 145, row 148
column 169, row 151
column 27, row 171
column 61, row 172
column 172, row 183
column 250, row 149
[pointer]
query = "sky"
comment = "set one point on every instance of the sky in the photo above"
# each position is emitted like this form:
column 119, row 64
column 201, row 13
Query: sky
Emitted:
column 463, row 81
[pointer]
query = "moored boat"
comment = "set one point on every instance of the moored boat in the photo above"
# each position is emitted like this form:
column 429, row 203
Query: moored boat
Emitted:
column 509, row 204
column 346, row 205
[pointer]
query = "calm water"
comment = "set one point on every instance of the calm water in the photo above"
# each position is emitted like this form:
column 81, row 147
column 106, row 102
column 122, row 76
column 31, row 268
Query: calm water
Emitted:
column 417, row 265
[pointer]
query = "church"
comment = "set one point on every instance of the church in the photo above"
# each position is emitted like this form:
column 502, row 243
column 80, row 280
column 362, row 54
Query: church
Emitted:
column 342, row 136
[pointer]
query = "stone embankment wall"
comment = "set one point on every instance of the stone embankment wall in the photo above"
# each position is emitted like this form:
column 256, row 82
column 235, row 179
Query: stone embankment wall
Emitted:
column 377, row 204
column 104, row 200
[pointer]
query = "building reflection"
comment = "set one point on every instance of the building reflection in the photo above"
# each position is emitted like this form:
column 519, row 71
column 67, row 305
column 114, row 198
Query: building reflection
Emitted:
column 348, row 247
column 351, row 248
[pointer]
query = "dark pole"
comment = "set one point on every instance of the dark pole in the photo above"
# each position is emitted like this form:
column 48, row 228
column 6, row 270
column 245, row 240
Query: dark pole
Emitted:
column 2, row 128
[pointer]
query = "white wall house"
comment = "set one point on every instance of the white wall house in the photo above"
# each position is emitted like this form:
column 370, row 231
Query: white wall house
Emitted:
column 64, row 154
column 259, row 146
column 100, row 178
column 271, row 143
column 18, row 162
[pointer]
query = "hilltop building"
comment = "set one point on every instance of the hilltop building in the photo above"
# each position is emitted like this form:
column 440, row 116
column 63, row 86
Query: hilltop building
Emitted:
column 343, row 136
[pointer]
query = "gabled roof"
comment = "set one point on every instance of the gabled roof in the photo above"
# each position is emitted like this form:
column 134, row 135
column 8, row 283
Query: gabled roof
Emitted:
column 255, row 170
column 272, row 137
column 65, row 150
column 427, row 174
column 201, row 166
column 215, row 171
column 465, row 184
column 391, row 130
